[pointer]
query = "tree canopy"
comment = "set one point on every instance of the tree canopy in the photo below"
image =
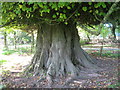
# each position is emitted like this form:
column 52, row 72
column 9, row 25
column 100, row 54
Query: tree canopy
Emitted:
column 31, row 13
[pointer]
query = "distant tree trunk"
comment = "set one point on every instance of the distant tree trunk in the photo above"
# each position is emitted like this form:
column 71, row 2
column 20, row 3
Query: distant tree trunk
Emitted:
column 88, row 37
column 5, row 40
column 101, row 48
column 32, row 42
column 58, row 52
column 113, row 31
column 15, row 40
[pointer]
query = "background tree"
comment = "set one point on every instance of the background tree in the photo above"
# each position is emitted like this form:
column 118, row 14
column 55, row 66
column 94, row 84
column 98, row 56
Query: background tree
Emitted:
column 104, row 34
column 5, row 31
column 58, row 52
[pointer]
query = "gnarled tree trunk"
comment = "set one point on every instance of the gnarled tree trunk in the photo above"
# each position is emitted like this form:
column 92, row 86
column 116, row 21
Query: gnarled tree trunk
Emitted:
column 58, row 52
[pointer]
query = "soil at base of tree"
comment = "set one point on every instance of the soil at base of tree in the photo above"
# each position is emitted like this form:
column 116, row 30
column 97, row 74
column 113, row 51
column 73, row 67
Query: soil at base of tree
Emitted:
column 101, row 79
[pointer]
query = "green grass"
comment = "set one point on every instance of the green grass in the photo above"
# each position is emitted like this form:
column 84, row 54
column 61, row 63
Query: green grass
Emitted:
column 2, row 61
column 24, row 50
column 93, row 45
column 109, row 54
column 8, row 52
column 114, row 85
column 20, row 51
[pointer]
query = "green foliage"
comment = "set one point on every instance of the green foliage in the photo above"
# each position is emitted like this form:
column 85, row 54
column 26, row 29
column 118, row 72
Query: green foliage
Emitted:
column 50, row 11
column 104, row 32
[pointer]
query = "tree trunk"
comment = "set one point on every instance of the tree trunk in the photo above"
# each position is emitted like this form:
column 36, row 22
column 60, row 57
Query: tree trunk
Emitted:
column 58, row 52
column 5, row 40
column 15, row 40
column 32, row 41
column 113, row 31
column 101, row 48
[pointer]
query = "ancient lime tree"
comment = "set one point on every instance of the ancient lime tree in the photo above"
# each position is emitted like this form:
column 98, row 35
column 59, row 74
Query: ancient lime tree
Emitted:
column 58, row 51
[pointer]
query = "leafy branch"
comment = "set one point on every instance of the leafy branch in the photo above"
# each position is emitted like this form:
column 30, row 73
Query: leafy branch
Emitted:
column 102, row 22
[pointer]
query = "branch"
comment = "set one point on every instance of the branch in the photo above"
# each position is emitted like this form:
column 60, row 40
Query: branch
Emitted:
column 102, row 22
column 89, row 30
column 72, row 14
column 6, row 24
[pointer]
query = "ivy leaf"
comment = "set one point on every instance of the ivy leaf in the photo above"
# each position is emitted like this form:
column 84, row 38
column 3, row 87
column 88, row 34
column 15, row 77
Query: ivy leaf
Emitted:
column 66, row 23
column 40, row 5
column 84, row 8
column 68, row 7
column 20, row 6
column 35, row 6
column 48, row 10
column 78, row 14
column 101, row 14
column 18, row 12
column 57, row 13
column 90, row 3
column 64, row 11
column 54, row 16
column 24, row 8
column 103, row 5
column 99, row 4
column 90, row 11
column 96, row 6
column 96, row 11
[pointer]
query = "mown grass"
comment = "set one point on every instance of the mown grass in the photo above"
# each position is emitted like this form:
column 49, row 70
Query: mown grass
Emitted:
column 109, row 54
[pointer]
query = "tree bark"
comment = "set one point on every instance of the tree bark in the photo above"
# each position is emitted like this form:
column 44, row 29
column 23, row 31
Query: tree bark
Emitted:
column 58, row 52
column 5, row 40
column 32, row 41
column 113, row 31
column 15, row 40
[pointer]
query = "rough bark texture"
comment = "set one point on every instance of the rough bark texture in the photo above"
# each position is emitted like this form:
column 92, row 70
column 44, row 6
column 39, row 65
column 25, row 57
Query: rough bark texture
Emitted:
column 58, row 52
